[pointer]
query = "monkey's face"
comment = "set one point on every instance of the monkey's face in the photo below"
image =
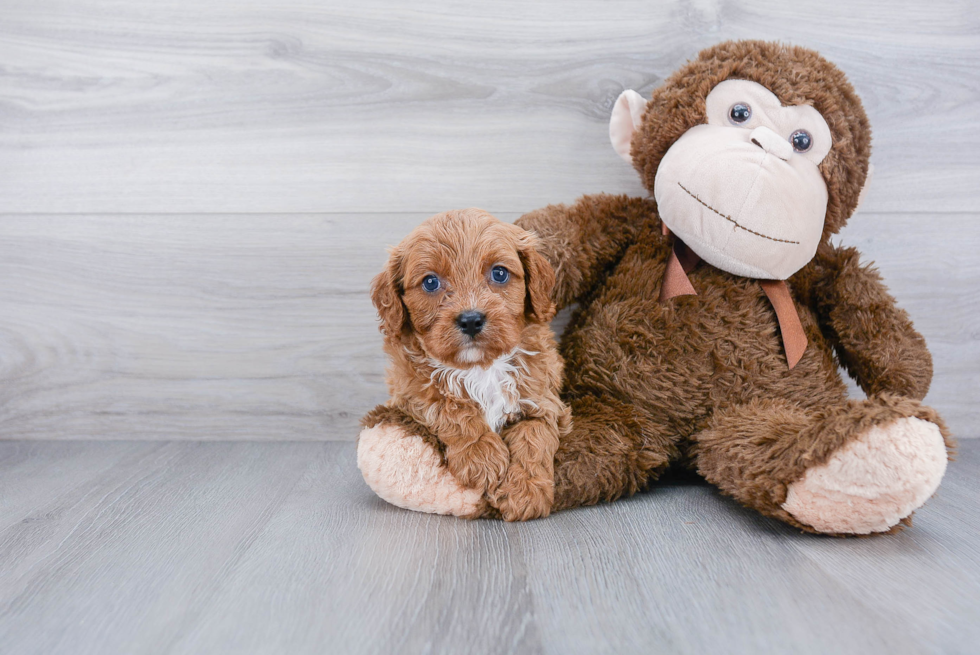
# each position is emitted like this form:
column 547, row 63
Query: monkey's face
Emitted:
column 745, row 191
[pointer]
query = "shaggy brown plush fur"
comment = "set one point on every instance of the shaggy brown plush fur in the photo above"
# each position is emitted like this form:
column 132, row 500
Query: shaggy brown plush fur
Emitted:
column 430, row 355
column 702, row 380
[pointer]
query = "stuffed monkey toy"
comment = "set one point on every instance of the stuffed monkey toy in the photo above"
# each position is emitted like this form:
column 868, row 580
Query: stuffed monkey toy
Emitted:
column 714, row 317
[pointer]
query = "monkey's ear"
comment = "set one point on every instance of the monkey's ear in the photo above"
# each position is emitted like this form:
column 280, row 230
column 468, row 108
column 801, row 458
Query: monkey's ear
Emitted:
column 627, row 114
column 387, row 298
column 864, row 189
column 539, row 278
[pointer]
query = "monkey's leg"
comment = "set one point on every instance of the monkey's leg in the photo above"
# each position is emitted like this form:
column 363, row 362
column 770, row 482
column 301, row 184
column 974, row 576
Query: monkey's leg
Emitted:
column 610, row 453
column 857, row 467
column 403, row 464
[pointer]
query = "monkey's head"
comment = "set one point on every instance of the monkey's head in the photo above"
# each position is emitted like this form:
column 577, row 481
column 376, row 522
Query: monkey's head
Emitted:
column 755, row 152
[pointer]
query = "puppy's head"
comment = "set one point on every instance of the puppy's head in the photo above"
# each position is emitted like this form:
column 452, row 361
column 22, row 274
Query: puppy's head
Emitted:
column 465, row 285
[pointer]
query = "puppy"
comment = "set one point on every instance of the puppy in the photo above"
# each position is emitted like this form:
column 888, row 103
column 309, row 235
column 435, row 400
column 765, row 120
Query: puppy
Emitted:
column 464, row 302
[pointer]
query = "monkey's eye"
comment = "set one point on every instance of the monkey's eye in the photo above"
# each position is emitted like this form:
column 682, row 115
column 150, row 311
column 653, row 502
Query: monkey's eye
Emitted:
column 499, row 274
column 431, row 283
column 801, row 140
column 739, row 113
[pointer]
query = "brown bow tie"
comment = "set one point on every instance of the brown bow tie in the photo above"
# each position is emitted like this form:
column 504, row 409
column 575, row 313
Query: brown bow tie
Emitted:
column 682, row 261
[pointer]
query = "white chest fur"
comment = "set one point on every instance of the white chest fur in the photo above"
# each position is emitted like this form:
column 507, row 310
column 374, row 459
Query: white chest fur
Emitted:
column 493, row 388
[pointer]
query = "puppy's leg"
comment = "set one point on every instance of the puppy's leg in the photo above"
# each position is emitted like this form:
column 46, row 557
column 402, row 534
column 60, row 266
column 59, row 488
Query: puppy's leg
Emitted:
column 477, row 462
column 528, row 490
column 475, row 455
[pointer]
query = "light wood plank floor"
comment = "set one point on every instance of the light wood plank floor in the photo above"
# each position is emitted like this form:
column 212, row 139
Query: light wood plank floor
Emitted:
column 211, row 547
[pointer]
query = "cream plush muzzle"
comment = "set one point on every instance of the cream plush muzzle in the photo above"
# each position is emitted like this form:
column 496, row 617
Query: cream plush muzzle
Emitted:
column 742, row 208
column 739, row 194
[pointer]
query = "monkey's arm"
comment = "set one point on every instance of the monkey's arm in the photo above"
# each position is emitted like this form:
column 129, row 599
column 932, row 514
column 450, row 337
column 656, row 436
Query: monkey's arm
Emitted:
column 582, row 240
column 874, row 338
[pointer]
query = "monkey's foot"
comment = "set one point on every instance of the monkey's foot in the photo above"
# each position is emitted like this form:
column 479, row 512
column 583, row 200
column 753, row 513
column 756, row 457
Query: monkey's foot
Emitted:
column 408, row 472
column 873, row 482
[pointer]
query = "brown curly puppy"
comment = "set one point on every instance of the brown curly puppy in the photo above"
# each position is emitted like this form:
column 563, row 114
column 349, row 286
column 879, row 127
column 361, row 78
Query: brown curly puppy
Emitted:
column 713, row 317
column 465, row 302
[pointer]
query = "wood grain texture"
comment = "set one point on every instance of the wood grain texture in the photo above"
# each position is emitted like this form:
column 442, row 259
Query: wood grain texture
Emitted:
column 193, row 199
column 155, row 547
column 377, row 106
column 217, row 327
column 260, row 327
column 930, row 264
column 145, row 294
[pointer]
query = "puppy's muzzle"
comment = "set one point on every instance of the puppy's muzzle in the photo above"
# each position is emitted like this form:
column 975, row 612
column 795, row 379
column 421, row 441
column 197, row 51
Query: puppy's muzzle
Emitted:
column 471, row 322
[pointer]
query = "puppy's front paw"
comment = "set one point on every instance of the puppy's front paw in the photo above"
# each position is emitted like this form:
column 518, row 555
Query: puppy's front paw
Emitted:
column 522, row 496
column 480, row 465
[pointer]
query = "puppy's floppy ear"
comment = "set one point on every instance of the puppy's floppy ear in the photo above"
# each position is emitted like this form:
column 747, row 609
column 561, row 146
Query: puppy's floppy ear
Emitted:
column 539, row 278
column 386, row 294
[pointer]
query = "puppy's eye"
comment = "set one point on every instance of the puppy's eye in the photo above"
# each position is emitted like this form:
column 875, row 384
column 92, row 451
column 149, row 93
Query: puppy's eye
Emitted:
column 431, row 283
column 739, row 113
column 499, row 274
column 801, row 140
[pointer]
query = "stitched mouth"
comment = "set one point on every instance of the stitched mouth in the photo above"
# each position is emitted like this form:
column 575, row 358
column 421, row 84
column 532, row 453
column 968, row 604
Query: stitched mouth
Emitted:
column 734, row 222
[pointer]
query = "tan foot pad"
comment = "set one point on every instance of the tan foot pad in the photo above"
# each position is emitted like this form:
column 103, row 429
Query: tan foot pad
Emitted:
column 405, row 471
column 873, row 482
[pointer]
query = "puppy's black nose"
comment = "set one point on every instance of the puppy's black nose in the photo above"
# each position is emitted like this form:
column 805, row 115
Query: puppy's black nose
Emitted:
column 471, row 323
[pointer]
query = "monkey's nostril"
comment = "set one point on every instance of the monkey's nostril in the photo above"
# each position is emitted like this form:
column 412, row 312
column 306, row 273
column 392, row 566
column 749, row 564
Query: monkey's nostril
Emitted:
column 771, row 142
column 471, row 322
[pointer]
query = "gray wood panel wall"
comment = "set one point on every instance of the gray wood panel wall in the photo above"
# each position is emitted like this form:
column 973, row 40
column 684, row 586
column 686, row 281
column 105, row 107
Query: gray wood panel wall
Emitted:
column 194, row 195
